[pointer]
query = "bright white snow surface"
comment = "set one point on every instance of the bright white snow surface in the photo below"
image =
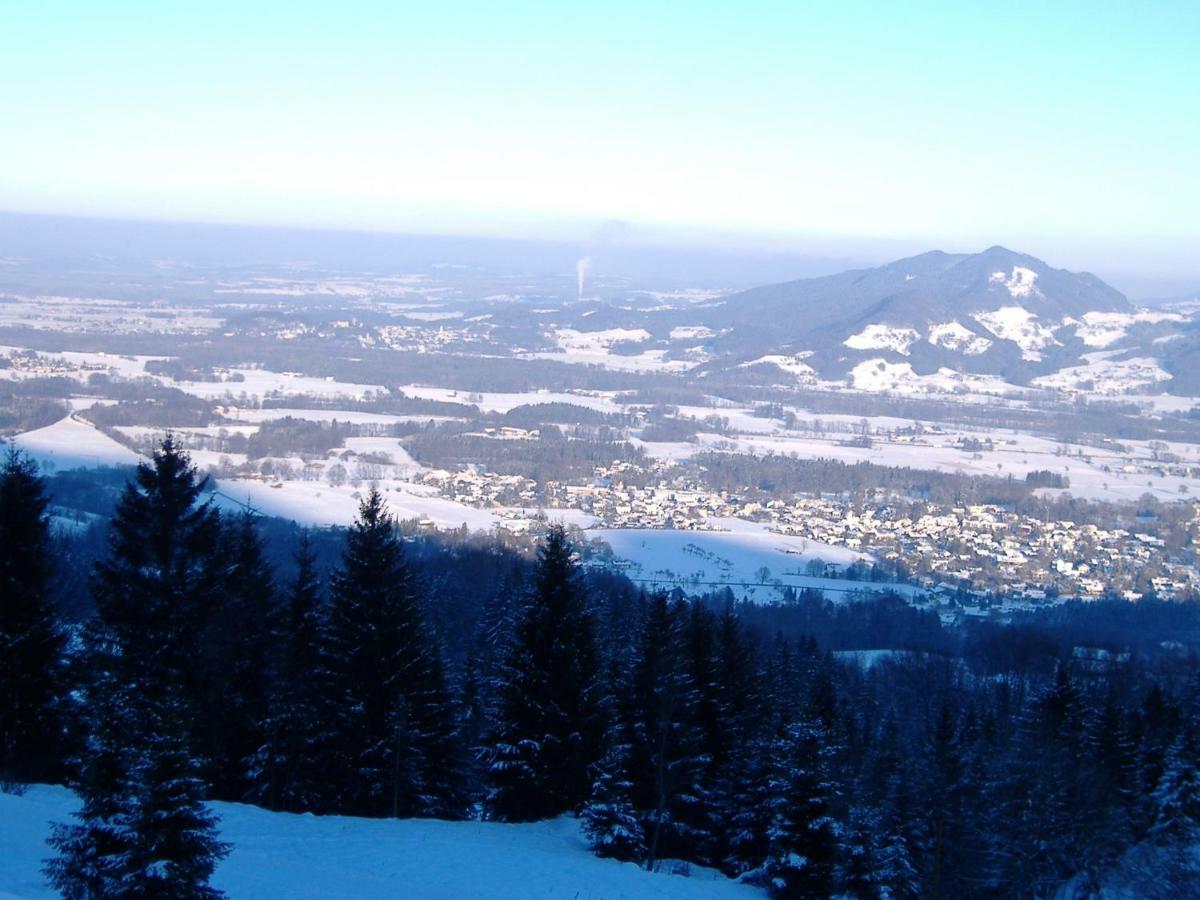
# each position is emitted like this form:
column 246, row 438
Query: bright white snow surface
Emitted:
column 1019, row 325
column 491, row 401
column 1105, row 376
column 956, row 336
column 71, row 443
column 1094, row 473
column 260, row 382
column 593, row 348
column 707, row 559
column 301, row 856
column 793, row 364
column 319, row 503
column 881, row 375
column 85, row 364
column 1099, row 329
column 877, row 375
column 883, row 337
column 1022, row 282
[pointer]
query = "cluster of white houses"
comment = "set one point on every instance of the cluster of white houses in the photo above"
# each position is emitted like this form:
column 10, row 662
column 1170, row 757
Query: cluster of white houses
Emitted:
column 977, row 549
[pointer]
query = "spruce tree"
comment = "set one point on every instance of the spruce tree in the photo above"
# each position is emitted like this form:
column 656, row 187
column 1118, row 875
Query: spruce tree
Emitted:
column 94, row 853
column 1106, row 802
column 143, row 830
column 729, row 750
column 287, row 773
column 238, row 642
column 1177, row 797
column 393, row 736
column 756, row 785
column 1035, row 838
column 803, row 834
column 160, row 586
column 31, row 640
column 488, row 652
column 609, row 818
column 173, row 843
column 667, row 758
column 894, row 874
column 549, row 727
column 701, row 820
column 938, row 829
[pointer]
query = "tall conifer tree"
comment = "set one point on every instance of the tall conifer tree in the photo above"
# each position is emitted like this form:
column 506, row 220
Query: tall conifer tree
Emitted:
column 31, row 641
column 143, row 830
column 238, row 641
column 667, row 746
column 288, row 774
column 550, row 723
column 394, row 734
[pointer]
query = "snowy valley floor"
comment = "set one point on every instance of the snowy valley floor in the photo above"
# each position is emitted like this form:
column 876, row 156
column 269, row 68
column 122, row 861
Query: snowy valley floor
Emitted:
column 281, row 855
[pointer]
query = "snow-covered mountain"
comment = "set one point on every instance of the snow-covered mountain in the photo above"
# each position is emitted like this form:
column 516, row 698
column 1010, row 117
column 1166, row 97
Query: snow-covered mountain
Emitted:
column 942, row 321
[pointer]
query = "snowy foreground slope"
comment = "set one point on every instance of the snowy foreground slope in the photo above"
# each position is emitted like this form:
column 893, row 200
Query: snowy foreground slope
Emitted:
column 281, row 855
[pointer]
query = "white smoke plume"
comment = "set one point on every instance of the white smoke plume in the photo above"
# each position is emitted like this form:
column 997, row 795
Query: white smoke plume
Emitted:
column 581, row 269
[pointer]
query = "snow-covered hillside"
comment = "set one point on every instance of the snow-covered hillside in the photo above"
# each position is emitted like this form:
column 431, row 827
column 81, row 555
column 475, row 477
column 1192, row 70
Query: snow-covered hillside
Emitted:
column 1019, row 325
column 298, row 856
column 997, row 313
column 72, row 443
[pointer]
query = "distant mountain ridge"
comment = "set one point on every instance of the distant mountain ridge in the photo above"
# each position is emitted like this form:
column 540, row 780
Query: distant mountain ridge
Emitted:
column 929, row 289
column 998, row 314
column 997, row 322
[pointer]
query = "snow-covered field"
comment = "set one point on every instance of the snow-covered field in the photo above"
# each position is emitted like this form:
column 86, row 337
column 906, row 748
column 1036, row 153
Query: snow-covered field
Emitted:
column 95, row 314
column 1019, row 325
column 956, row 336
column 877, row 375
column 554, row 514
column 868, row 659
column 1105, row 376
column 302, row 856
column 708, row 559
column 1099, row 329
column 71, row 443
column 319, row 503
column 593, row 348
column 1014, row 454
column 491, row 401
column 260, row 382
column 883, row 337
column 792, row 364
column 81, row 365
column 355, row 417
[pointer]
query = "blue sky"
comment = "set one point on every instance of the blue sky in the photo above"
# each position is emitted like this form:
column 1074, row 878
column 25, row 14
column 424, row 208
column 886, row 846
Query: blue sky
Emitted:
column 1068, row 128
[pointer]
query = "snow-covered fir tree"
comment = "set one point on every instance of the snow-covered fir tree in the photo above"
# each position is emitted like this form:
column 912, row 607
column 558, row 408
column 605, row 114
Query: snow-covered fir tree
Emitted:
column 549, row 724
column 143, row 830
column 803, row 835
column 31, row 639
column 610, row 820
column 393, row 735
column 240, row 640
column 1177, row 797
column 287, row 772
column 667, row 758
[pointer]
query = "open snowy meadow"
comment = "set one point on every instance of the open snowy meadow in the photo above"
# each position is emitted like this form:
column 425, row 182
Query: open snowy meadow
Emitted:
column 329, row 857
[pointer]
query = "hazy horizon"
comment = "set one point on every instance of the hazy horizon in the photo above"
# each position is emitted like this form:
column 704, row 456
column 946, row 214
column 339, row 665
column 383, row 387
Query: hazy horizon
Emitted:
column 615, row 248
column 858, row 132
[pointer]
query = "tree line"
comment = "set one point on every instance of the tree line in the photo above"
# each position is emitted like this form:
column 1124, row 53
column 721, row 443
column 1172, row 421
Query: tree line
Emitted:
column 678, row 732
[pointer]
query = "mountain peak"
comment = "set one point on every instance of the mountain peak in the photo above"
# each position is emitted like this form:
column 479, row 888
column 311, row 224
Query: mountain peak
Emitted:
column 986, row 305
column 1003, row 256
